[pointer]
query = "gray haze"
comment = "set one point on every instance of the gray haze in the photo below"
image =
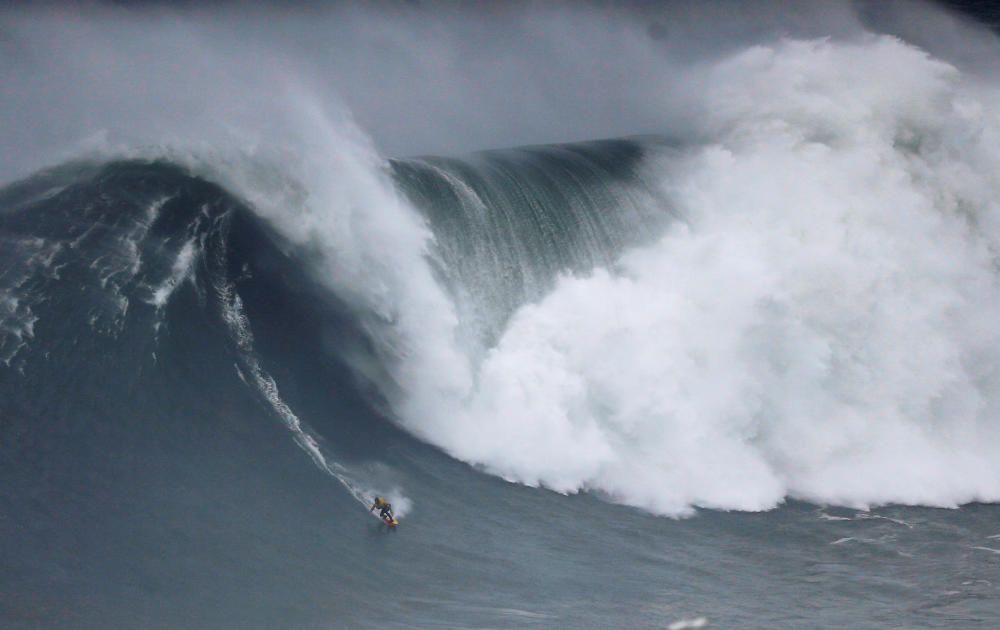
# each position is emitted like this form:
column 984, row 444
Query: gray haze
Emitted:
column 420, row 78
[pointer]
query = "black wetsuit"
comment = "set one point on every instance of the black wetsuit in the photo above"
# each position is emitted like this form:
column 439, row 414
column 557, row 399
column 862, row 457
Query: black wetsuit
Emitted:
column 384, row 509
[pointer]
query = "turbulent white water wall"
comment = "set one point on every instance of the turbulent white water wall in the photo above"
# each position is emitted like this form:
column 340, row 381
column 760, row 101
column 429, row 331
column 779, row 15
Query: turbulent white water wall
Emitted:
column 821, row 326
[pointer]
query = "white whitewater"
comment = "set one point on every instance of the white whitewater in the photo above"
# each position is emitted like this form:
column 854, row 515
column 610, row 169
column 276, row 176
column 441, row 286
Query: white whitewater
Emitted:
column 821, row 326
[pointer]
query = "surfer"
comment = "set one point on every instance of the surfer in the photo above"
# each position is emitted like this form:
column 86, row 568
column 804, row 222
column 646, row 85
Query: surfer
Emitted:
column 385, row 508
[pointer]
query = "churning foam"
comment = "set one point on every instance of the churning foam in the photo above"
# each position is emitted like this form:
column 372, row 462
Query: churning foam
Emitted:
column 822, row 325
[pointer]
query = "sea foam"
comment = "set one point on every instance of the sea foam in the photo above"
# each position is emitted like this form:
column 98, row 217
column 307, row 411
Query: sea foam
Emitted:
column 821, row 325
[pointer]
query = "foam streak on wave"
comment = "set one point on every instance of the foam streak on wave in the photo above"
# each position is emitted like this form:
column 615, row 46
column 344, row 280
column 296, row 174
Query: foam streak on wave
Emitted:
column 254, row 375
column 179, row 271
column 23, row 259
column 264, row 384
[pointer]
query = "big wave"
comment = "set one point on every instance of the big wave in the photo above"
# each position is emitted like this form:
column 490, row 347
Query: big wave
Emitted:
column 798, row 300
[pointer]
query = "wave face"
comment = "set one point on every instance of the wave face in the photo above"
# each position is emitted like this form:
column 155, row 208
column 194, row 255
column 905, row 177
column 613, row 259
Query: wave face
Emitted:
column 507, row 223
column 162, row 389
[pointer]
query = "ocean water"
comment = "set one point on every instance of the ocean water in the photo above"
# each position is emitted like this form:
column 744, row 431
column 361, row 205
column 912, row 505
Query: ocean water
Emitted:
column 736, row 369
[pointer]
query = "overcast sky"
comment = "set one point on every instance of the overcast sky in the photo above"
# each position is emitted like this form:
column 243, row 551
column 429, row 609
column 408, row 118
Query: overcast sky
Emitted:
column 418, row 78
